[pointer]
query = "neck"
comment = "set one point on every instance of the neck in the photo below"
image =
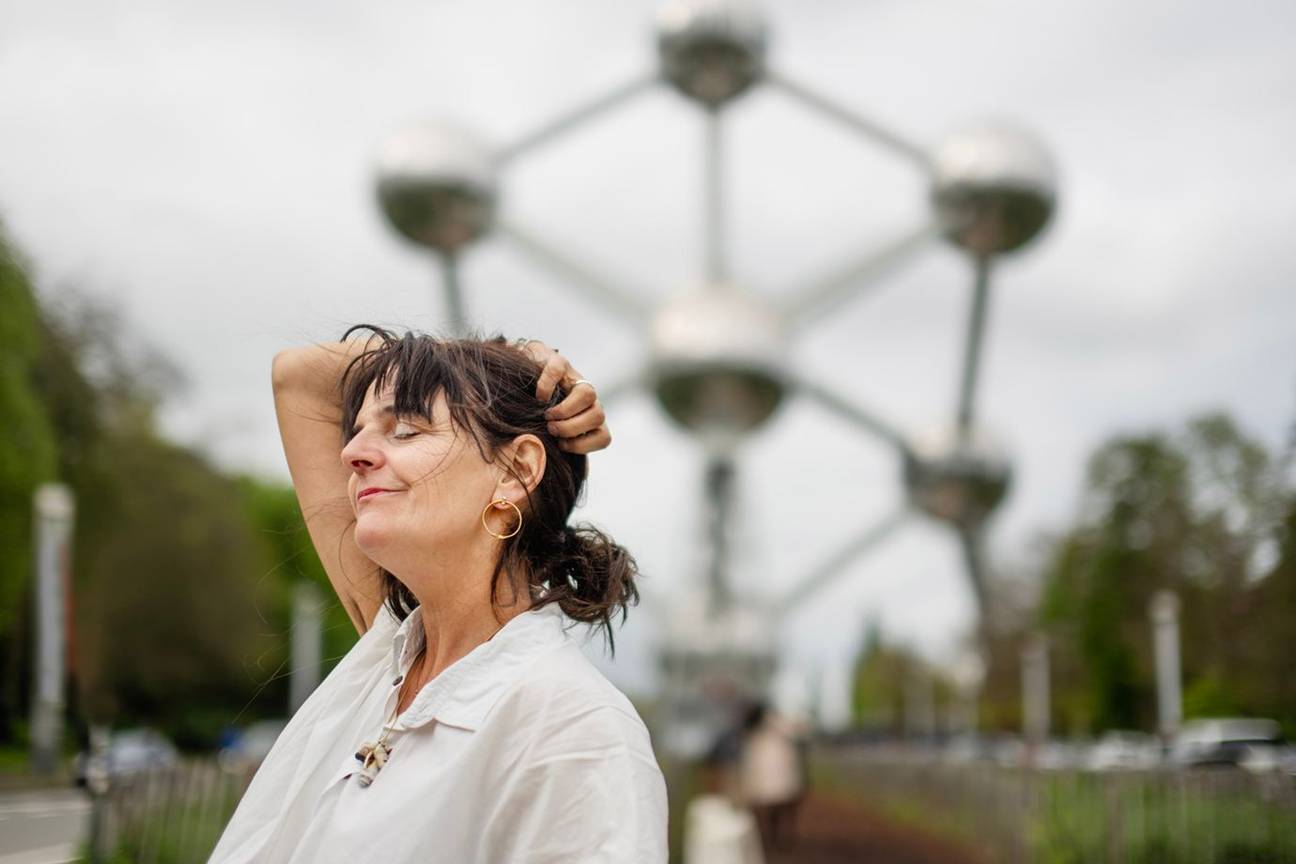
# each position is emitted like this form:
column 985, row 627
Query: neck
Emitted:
column 456, row 609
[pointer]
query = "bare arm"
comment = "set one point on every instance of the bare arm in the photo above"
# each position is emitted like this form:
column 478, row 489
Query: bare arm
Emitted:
column 307, row 404
column 310, row 414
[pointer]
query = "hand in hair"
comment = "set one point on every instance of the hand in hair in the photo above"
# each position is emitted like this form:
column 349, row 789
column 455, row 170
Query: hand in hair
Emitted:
column 578, row 420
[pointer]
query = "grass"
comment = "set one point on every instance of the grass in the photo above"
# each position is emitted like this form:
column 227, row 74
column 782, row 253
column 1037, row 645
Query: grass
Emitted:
column 1141, row 822
column 14, row 760
column 1078, row 818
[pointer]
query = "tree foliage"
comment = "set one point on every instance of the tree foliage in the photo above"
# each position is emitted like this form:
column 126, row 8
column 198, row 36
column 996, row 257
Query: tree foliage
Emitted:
column 27, row 459
column 1205, row 513
column 182, row 575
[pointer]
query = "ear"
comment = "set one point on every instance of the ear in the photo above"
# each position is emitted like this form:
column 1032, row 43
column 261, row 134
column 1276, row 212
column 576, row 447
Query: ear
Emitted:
column 524, row 467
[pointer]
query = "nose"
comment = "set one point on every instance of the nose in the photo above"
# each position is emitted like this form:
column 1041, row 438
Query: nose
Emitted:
column 361, row 455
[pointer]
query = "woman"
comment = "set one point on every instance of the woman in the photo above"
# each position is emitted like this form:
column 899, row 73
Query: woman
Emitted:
column 772, row 774
column 465, row 725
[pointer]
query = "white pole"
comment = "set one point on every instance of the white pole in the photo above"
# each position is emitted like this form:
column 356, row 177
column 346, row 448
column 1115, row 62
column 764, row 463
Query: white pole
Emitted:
column 1164, row 610
column 969, row 675
column 920, row 703
column 54, row 511
column 307, row 649
column 1035, row 690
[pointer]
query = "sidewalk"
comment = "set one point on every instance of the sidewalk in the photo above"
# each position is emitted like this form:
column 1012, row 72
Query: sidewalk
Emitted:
column 833, row 831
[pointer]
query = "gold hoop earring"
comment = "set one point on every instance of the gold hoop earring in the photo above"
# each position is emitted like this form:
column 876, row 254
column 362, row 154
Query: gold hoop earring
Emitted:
column 516, row 528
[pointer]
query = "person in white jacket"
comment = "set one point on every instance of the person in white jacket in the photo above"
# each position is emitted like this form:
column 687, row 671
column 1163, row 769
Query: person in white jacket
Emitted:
column 436, row 478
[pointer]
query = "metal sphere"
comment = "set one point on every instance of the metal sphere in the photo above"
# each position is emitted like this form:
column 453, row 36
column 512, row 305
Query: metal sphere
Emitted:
column 718, row 357
column 994, row 189
column 711, row 50
column 960, row 482
column 436, row 185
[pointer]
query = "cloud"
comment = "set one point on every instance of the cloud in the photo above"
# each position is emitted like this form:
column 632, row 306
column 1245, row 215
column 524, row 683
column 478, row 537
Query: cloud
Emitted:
column 208, row 165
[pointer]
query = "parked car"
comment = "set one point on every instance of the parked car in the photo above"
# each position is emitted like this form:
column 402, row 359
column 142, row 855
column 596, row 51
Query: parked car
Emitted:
column 131, row 752
column 1225, row 741
column 251, row 747
column 1266, row 758
column 967, row 749
column 1122, row 750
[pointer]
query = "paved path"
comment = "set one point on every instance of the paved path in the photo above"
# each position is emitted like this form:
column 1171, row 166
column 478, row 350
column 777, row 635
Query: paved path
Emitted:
column 832, row 831
column 42, row 827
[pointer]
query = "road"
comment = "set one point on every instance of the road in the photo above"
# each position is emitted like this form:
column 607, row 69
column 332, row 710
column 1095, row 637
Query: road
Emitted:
column 42, row 827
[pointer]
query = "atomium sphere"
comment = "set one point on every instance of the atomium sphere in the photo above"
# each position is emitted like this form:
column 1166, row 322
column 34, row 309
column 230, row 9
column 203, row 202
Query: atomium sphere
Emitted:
column 711, row 50
column 436, row 185
column 718, row 361
column 957, row 482
column 994, row 189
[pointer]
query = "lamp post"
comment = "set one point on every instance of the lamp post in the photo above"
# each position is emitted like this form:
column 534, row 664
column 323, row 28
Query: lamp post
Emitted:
column 54, row 513
column 1164, row 611
column 1035, row 692
column 307, row 653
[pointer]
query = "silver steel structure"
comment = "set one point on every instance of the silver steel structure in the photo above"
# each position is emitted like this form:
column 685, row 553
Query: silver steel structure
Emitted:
column 718, row 361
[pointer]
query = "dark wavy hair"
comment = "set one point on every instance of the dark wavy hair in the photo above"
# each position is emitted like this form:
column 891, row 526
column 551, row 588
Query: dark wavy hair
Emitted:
column 490, row 388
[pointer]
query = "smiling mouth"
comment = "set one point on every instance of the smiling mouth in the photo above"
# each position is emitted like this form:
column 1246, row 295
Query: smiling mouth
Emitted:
column 371, row 493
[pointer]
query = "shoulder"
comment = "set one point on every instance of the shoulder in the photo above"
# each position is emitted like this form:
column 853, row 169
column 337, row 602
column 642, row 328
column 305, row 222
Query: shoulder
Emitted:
column 559, row 706
column 585, row 785
column 562, row 691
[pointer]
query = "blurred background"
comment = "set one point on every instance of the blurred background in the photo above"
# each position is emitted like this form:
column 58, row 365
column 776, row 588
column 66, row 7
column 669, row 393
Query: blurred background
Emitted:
column 1008, row 559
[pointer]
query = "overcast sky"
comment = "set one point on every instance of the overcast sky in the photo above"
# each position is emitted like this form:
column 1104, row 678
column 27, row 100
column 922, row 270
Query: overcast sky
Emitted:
column 209, row 167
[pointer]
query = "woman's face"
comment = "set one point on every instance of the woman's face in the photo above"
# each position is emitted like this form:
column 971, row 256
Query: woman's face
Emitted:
column 417, row 487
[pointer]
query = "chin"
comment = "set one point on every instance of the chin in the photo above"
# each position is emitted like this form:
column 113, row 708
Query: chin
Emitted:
column 372, row 536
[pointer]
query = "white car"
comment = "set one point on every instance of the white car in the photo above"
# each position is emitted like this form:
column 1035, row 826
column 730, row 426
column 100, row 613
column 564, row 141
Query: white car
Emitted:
column 131, row 752
column 1122, row 750
column 1226, row 741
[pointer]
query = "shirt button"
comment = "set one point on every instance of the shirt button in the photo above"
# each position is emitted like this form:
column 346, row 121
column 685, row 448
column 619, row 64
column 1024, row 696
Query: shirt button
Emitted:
column 398, row 680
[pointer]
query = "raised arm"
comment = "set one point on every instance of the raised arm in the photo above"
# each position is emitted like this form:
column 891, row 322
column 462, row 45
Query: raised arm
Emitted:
column 308, row 405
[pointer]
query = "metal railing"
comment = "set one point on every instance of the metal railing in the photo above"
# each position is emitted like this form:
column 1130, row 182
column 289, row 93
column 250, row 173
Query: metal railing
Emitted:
column 171, row 816
column 1018, row 814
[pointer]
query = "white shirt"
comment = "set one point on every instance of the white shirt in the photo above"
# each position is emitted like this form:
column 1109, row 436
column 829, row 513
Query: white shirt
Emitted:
column 520, row 751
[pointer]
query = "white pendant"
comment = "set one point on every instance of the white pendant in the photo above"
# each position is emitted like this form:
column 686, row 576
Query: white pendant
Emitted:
column 372, row 757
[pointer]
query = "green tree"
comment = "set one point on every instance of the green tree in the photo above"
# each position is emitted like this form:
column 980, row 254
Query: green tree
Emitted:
column 181, row 575
column 27, row 459
column 1192, row 513
column 289, row 557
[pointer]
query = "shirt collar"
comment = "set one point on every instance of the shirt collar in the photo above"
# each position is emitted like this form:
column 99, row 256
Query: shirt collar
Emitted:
column 466, row 690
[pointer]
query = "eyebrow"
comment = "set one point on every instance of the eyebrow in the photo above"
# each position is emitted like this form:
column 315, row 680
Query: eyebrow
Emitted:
column 388, row 410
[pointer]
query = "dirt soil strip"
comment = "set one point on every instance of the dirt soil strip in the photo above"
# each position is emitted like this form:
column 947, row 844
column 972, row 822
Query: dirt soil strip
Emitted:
column 832, row 831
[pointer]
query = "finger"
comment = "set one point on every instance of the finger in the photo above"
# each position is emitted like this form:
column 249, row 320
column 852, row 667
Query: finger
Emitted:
column 578, row 399
column 587, row 443
column 554, row 371
column 586, row 421
column 538, row 351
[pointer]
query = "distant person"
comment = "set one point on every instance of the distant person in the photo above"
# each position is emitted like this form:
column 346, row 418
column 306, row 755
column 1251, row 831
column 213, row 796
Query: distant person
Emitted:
column 718, row 827
column 436, row 477
column 772, row 774
column 723, row 757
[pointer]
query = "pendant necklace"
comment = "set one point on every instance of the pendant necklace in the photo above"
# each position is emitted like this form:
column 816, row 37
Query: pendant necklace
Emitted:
column 372, row 756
